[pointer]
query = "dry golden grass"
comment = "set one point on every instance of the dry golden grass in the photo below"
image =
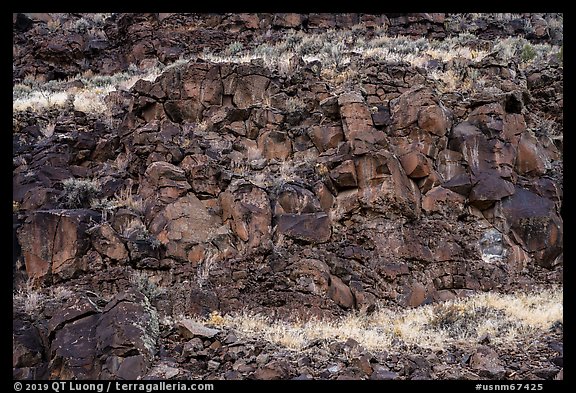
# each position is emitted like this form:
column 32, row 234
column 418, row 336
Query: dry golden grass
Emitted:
column 125, row 198
column 333, row 48
column 32, row 95
column 504, row 317
column 31, row 300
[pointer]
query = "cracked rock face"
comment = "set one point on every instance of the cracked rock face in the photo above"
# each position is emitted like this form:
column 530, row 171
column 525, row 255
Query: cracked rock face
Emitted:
column 55, row 242
column 115, row 342
column 229, row 186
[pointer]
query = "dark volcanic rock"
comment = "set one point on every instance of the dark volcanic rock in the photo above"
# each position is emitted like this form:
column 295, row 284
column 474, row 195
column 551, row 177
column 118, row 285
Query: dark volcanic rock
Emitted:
column 486, row 363
column 250, row 216
column 116, row 342
column 53, row 243
column 310, row 227
column 73, row 351
column 294, row 188
column 534, row 222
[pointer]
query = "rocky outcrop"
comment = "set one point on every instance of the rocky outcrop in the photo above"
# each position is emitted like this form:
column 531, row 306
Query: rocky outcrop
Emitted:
column 54, row 243
column 213, row 191
column 236, row 187
column 90, row 339
column 68, row 44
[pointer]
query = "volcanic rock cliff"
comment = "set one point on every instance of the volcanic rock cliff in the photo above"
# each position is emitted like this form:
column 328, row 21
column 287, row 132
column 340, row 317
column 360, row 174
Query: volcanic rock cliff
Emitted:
column 223, row 186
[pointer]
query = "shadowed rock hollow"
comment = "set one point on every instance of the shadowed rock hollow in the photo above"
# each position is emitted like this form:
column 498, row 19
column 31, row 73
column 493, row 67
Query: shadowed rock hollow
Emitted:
column 382, row 190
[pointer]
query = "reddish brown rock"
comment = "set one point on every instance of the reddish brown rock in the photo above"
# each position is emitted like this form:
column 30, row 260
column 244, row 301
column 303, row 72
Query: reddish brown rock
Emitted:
column 517, row 258
column 413, row 245
column 211, row 88
column 249, row 214
column 296, row 200
column 489, row 118
column 53, row 243
column 326, row 137
column 486, row 363
column 190, row 329
column 340, row 293
column 179, row 111
column 236, row 127
column 183, row 223
column 321, row 21
column 531, row 158
column 290, row 20
column 203, row 174
column 118, row 342
column 427, row 183
column 364, row 301
column 487, row 189
column 151, row 111
column 324, row 196
column 188, row 89
column 418, row 106
column 392, row 270
column 196, row 254
column 483, row 155
column 357, row 124
column 276, row 369
column 415, row 165
column 163, row 182
column 344, row 175
column 275, row 145
column 371, row 170
column 39, row 198
column 251, row 90
column 414, row 295
column 461, row 132
column 504, row 157
column 330, row 108
column 346, row 203
column 514, row 125
column 311, row 275
column 384, row 186
column 442, row 200
column 461, row 184
column 363, row 364
column 259, row 117
column 448, row 250
column 309, row 227
column 548, row 189
column 450, row 164
column 108, row 242
column 535, row 225
column 434, row 119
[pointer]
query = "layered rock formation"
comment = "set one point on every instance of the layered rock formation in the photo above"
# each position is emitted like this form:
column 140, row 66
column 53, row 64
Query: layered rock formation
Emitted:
column 383, row 191
column 67, row 44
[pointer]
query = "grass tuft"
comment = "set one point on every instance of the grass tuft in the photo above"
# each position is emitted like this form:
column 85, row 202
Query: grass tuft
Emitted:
column 505, row 317
column 79, row 193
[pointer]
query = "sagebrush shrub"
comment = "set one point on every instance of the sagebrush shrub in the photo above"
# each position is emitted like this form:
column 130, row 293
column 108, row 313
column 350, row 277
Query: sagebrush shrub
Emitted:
column 79, row 193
